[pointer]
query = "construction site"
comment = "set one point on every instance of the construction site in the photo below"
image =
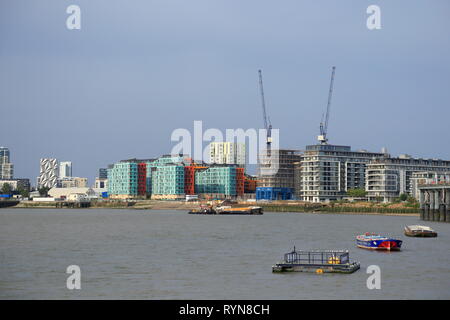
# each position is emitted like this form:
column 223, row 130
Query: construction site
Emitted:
column 322, row 172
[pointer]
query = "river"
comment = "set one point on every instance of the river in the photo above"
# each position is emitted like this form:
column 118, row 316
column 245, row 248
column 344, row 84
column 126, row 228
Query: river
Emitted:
column 155, row 254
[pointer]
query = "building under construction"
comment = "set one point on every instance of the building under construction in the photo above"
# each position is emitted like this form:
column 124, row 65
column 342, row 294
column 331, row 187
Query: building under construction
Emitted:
column 276, row 174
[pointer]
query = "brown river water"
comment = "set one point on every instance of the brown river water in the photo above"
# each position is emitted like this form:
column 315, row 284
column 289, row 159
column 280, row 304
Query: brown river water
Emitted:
column 155, row 254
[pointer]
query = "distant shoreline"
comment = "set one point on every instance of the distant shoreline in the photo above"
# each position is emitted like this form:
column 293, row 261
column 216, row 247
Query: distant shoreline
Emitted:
column 352, row 209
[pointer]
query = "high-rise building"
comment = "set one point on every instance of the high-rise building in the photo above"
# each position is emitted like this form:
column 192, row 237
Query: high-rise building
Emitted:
column 227, row 153
column 65, row 169
column 326, row 172
column 103, row 173
column 6, row 167
column 48, row 173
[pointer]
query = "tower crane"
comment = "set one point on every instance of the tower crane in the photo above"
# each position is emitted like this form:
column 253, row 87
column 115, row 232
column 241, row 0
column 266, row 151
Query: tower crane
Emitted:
column 324, row 126
column 267, row 124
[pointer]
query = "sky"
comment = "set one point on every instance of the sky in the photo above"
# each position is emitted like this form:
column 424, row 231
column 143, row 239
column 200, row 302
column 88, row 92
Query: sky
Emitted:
column 137, row 70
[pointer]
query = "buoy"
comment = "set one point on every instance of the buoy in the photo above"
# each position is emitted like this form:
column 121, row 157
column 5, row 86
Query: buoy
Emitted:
column 319, row 271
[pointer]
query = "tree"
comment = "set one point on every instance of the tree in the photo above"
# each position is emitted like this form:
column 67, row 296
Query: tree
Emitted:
column 7, row 188
column 356, row 192
column 403, row 197
column 43, row 191
column 23, row 192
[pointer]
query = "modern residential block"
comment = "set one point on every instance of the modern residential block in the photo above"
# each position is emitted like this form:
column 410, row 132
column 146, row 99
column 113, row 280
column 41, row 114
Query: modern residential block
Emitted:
column 387, row 178
column 227, row 153
column 123, row 180
column 219, row 180
column 326, row 172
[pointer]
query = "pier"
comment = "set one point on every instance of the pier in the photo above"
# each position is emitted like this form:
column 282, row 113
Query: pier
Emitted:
column 435, row 202
column 73, row 204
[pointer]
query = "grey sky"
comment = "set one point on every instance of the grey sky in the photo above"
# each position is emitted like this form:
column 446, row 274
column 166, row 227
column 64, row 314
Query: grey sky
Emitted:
column 137, row 70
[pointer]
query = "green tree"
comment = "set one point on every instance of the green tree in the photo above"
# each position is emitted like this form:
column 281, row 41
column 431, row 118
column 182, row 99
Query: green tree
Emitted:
column 7, row 188
column 403, row 197
column 43, row 191
column 23, row 192
column 356, row 192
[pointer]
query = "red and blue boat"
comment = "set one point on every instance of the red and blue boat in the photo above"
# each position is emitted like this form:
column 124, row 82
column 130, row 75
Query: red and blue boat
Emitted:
column 377, row 242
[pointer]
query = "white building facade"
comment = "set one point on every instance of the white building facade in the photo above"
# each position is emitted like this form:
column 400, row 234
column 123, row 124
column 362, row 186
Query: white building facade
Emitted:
column 48, row 173
column 227, row 153
column 65, row 169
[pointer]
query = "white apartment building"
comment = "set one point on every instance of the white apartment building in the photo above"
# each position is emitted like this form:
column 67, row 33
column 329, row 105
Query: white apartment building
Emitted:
column 387, row 178
column 65, row 169
column 227, row 153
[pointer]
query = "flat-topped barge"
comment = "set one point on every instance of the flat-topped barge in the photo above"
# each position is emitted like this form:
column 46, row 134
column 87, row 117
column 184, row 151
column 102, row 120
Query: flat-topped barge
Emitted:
column 317, row 261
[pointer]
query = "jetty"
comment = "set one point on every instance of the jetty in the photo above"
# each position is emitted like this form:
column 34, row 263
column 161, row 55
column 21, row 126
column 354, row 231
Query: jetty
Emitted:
column 434, row 202
column 72, row 204
column 317, row 261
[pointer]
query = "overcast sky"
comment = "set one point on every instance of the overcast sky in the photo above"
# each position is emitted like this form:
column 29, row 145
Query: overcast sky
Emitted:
column 137, row 70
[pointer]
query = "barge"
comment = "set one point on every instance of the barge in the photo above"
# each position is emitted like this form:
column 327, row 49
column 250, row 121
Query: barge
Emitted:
column 228, row 210
column 8, row 203
column 377, row 242
column 420, row 231
column 317, row 261
column 226, row 207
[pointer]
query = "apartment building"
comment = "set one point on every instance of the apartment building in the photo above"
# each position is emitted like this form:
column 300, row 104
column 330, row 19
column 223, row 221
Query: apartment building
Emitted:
column 387, row 178
column 427, row 177
column 227, row 153
column 326, row 172
column 6, row 167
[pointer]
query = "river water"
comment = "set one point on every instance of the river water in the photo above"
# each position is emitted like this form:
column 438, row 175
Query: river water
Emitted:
column 146, row 254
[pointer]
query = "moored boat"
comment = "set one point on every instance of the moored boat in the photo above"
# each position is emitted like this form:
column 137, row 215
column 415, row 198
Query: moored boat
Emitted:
column 8, row 203
column 253, row 210
column 377, row 242
column 317, row 261
column 420, row 231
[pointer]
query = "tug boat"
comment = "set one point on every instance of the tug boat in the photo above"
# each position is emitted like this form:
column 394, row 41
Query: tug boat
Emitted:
column 377, row 242
column 420, row 231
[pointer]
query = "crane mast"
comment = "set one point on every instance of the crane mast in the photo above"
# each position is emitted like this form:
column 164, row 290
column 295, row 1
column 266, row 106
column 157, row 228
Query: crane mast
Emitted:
column 267, row 124
column 324, row 126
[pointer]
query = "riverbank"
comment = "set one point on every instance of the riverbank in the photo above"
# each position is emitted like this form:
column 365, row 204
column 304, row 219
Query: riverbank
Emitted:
column 344, row 207
column 370, row 208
